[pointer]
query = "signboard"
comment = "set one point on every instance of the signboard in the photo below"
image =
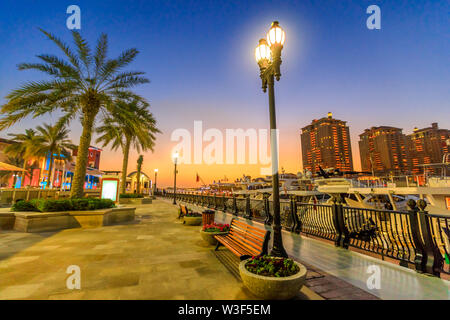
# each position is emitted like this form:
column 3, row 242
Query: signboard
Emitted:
column 110, row 189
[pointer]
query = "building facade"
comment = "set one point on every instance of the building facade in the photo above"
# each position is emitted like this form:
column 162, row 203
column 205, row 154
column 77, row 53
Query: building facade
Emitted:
column 62, row 170
column 326, row 143
column 383, row 150
column 426, row 146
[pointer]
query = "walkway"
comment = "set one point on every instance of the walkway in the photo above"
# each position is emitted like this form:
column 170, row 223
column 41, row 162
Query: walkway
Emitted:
column 154, row 258
column 396, row 282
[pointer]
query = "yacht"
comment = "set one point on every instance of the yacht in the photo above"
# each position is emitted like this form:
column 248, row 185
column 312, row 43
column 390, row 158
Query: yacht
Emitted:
column 392, row 193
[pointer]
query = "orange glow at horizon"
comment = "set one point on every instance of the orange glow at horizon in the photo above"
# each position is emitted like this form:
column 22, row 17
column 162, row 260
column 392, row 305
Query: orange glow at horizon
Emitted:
column 161, row 159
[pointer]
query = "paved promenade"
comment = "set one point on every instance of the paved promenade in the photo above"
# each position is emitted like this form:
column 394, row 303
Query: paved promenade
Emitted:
column 156, row 257
column 346, row 272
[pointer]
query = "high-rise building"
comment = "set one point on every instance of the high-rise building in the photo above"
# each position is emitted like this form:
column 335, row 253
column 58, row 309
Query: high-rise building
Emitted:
column 326, row 143
column 427, row 145
column 383, row 150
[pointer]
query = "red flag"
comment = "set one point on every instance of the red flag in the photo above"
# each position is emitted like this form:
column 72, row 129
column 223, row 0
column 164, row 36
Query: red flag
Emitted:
column 198, row 178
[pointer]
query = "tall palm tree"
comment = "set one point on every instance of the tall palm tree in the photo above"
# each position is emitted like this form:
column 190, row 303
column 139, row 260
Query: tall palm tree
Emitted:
column 133, row 126
column 26, row 147
column 140, row 160
column 54, row 142
column 84, row 84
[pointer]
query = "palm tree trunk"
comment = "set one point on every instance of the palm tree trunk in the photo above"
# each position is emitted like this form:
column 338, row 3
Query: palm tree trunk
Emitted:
column 126, row 152
column 22, row 178
column 41, row 171
column 50, row 169
column 138, row 182
column 82, row 155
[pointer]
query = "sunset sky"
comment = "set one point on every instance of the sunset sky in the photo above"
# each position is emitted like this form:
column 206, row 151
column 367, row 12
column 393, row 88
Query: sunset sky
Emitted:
column 199, row 57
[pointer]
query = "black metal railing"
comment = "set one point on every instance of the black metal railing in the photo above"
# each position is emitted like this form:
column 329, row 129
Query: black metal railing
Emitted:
column 317, row 220
column 388, row 233
column 415, row 238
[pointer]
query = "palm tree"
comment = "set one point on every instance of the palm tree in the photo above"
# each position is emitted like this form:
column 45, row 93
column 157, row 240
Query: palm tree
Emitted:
column 54, row 142
column 84, row 84
column 26, row 147
column 140, row 160
column 134, row 126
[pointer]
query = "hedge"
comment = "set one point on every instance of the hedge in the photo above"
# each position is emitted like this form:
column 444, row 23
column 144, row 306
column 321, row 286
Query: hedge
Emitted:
column 131, row 195
column 49, row 205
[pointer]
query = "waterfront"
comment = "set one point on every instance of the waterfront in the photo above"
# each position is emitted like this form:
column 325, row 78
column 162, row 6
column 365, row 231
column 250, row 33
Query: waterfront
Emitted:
column 181, row 150
column 156, row 257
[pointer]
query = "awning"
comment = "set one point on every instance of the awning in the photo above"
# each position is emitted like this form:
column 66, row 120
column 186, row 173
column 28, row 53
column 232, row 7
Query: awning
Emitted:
column 9, row 167
column 70, row 167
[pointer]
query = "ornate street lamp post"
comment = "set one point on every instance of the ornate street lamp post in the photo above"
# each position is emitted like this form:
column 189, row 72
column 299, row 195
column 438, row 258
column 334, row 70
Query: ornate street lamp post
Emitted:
column 154, row 185
column 175, row 160
column 268, row 57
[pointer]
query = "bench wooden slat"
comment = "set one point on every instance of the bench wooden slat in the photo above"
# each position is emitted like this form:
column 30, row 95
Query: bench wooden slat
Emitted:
column 244, row 243
column 249, row 236
column 244, row 240
column 249, row 231
column 233, row 249
column 242, row 229
column 183, row 211
column 247, row 226
column 237, row 246
column 231, row 243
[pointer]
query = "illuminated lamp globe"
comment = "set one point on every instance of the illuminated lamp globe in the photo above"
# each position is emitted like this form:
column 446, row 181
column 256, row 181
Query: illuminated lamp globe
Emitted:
column 275, row 35
column 262, row 51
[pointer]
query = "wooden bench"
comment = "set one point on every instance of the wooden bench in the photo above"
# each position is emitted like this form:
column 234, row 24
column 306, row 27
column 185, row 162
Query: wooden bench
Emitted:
column 244, row 240
column 183, row 211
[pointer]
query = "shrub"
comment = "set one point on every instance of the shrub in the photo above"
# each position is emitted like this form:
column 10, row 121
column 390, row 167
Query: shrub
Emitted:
column 50, row 205
column 80, row 204
column 53, row 205
column 272, row 266
column 193, row 214
column 96, row 204
column 216, row 227
column 23, row 205
column 131, row 195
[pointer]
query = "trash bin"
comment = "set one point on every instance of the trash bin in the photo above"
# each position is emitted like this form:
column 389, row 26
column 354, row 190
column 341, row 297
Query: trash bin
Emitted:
column 208, row 217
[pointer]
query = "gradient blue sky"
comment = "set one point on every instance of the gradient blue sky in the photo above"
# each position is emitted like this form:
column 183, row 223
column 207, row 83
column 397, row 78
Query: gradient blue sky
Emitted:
column 199, row 56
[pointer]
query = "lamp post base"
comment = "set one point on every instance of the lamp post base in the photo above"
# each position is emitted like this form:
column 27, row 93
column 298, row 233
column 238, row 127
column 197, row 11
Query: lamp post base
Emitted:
column 278, row 252
column 277, row 244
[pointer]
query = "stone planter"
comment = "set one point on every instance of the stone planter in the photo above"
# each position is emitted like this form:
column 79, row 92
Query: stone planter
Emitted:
column 209, row 236
column 135, row 201
column 192, row 221
column 273, row 288
column 53, row 221
column 7, row 220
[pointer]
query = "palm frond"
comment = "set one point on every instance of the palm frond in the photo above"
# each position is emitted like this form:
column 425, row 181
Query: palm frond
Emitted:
column 72, row 57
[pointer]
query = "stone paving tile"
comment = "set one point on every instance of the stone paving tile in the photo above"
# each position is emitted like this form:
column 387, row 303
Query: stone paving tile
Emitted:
column 155, row 258
column 332, row 288
column 19, row 291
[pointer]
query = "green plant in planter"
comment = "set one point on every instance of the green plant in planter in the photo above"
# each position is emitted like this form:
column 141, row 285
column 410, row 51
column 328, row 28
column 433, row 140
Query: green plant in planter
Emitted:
column 50, row 205
column 216, row 227
column 272, row 266
column 193, row 215
column 131, row 195
column 23, row 205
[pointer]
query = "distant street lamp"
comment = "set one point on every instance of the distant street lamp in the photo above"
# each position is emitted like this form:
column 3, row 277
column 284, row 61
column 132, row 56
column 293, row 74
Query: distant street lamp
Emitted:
column 268, row 57
column 175, row 160
column 154, row 185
